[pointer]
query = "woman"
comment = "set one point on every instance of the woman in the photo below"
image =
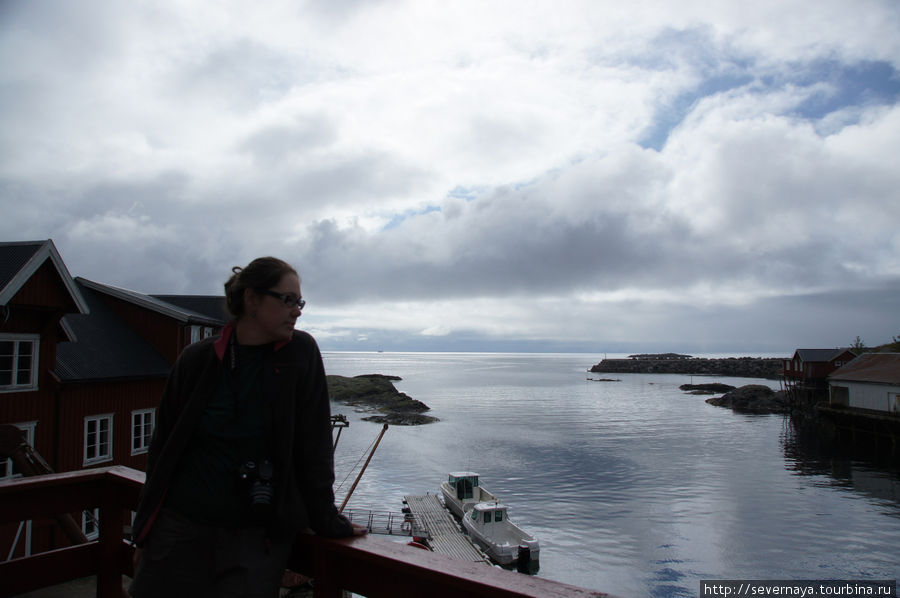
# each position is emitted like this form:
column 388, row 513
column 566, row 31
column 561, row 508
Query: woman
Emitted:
column 241, row 457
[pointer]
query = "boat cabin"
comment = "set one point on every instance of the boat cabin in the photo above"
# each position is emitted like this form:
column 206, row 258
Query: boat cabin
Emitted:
column 484, row 513
column 464, row 482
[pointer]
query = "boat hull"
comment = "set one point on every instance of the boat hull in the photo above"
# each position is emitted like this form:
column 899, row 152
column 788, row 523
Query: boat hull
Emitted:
column 504, row 547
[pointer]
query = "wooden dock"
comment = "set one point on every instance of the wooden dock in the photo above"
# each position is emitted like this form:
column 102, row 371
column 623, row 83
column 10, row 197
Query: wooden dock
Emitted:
column 387, row 523
column 445, row 535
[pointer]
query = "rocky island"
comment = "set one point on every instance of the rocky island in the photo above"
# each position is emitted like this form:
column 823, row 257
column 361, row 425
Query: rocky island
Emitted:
column 377, row 393
column 673, row 363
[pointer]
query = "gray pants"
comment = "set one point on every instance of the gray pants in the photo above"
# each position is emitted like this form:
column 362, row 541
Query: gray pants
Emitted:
column 184, row 558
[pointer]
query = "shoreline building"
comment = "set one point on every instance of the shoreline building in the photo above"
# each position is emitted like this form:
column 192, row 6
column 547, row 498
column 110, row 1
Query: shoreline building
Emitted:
column 82, row 369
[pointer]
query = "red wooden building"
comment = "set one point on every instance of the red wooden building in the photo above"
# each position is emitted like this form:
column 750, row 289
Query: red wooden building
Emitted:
column 812, row 367
column 82, row 368
column 805, row 375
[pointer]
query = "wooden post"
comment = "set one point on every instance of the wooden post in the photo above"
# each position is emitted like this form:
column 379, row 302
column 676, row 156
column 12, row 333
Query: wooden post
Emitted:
column 109, row 559
column 362, row 471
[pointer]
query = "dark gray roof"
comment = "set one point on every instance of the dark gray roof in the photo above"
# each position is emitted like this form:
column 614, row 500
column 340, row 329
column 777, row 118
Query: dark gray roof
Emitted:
column 13, row 257
column 820, row 355
column 167, row 308
column 105, row 347
column 211, row 306
column 880, row 368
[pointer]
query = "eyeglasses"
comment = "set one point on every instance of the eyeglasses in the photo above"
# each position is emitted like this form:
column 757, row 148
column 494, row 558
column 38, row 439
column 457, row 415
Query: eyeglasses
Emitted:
column 289, row 299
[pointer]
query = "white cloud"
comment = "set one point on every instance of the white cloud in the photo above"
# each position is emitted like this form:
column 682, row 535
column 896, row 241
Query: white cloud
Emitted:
column 590, row 170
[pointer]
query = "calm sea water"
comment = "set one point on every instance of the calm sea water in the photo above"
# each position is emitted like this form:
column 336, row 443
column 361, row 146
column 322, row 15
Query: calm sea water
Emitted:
column 632, row 487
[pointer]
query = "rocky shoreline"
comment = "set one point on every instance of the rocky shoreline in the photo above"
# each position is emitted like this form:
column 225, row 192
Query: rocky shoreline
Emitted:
column 751, row 398
column 738, row 367
column 376, row 393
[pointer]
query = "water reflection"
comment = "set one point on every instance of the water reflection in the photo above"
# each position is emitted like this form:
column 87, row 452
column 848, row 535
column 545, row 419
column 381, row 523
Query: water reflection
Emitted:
column 810, row 452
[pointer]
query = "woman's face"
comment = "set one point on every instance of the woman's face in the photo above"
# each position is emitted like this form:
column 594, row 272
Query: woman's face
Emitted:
column 270, row 318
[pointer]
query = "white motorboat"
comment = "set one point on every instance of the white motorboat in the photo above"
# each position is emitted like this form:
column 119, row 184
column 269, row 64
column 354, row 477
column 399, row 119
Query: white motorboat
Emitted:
column 462, row 491
column 506, row 543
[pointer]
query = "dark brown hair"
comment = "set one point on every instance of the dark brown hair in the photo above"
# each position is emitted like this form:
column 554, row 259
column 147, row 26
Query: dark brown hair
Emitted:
column 261, row 273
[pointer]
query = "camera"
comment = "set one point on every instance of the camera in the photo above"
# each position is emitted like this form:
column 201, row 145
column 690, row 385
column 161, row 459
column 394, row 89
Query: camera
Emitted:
column 258, row 476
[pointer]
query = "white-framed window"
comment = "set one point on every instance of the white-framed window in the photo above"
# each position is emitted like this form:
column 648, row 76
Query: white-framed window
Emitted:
column 90, row 523
column 19, row 362
column 129, row 531
column 201, row 332
column 7, row 470
column 98, row 433
column 142, row 422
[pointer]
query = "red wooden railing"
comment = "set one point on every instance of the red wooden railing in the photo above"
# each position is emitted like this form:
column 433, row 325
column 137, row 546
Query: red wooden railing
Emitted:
column 112, row 490
column 367, row 566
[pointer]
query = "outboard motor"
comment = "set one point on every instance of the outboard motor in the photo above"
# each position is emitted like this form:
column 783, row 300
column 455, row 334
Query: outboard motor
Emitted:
column 523, row 562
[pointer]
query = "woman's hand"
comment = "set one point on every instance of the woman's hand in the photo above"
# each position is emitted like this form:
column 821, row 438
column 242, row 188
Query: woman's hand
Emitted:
column 359, row 530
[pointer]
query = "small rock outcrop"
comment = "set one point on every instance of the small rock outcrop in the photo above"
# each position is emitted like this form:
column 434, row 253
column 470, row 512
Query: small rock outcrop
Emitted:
column 376, row 392
column 753, row 398
column 706, row 389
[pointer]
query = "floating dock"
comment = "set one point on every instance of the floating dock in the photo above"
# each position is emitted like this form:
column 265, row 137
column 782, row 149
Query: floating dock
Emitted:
column 445, row 537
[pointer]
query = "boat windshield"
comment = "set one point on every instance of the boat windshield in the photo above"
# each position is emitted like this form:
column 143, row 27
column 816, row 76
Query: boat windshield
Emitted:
column 464, row 488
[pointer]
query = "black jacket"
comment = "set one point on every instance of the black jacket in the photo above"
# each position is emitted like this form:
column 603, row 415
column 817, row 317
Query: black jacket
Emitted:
column 297, row 415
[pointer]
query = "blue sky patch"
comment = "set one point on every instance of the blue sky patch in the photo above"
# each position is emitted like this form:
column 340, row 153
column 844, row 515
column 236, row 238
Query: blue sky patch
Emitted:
column 670, row 116
column 863, row 84
column 398, row 219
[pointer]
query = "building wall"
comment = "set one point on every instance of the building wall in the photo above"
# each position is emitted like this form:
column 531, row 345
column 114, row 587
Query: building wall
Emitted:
column 840, row 395
column 862, row 395
column 44, row 289
column 118, row 399
column 34, row 406
column 63, row 448
column 64, row 451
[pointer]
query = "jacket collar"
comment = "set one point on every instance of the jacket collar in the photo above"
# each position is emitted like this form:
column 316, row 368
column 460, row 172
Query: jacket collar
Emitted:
column 221, row 343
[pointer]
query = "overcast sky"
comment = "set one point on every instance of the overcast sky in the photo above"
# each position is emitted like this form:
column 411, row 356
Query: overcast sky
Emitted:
column 544, row 176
